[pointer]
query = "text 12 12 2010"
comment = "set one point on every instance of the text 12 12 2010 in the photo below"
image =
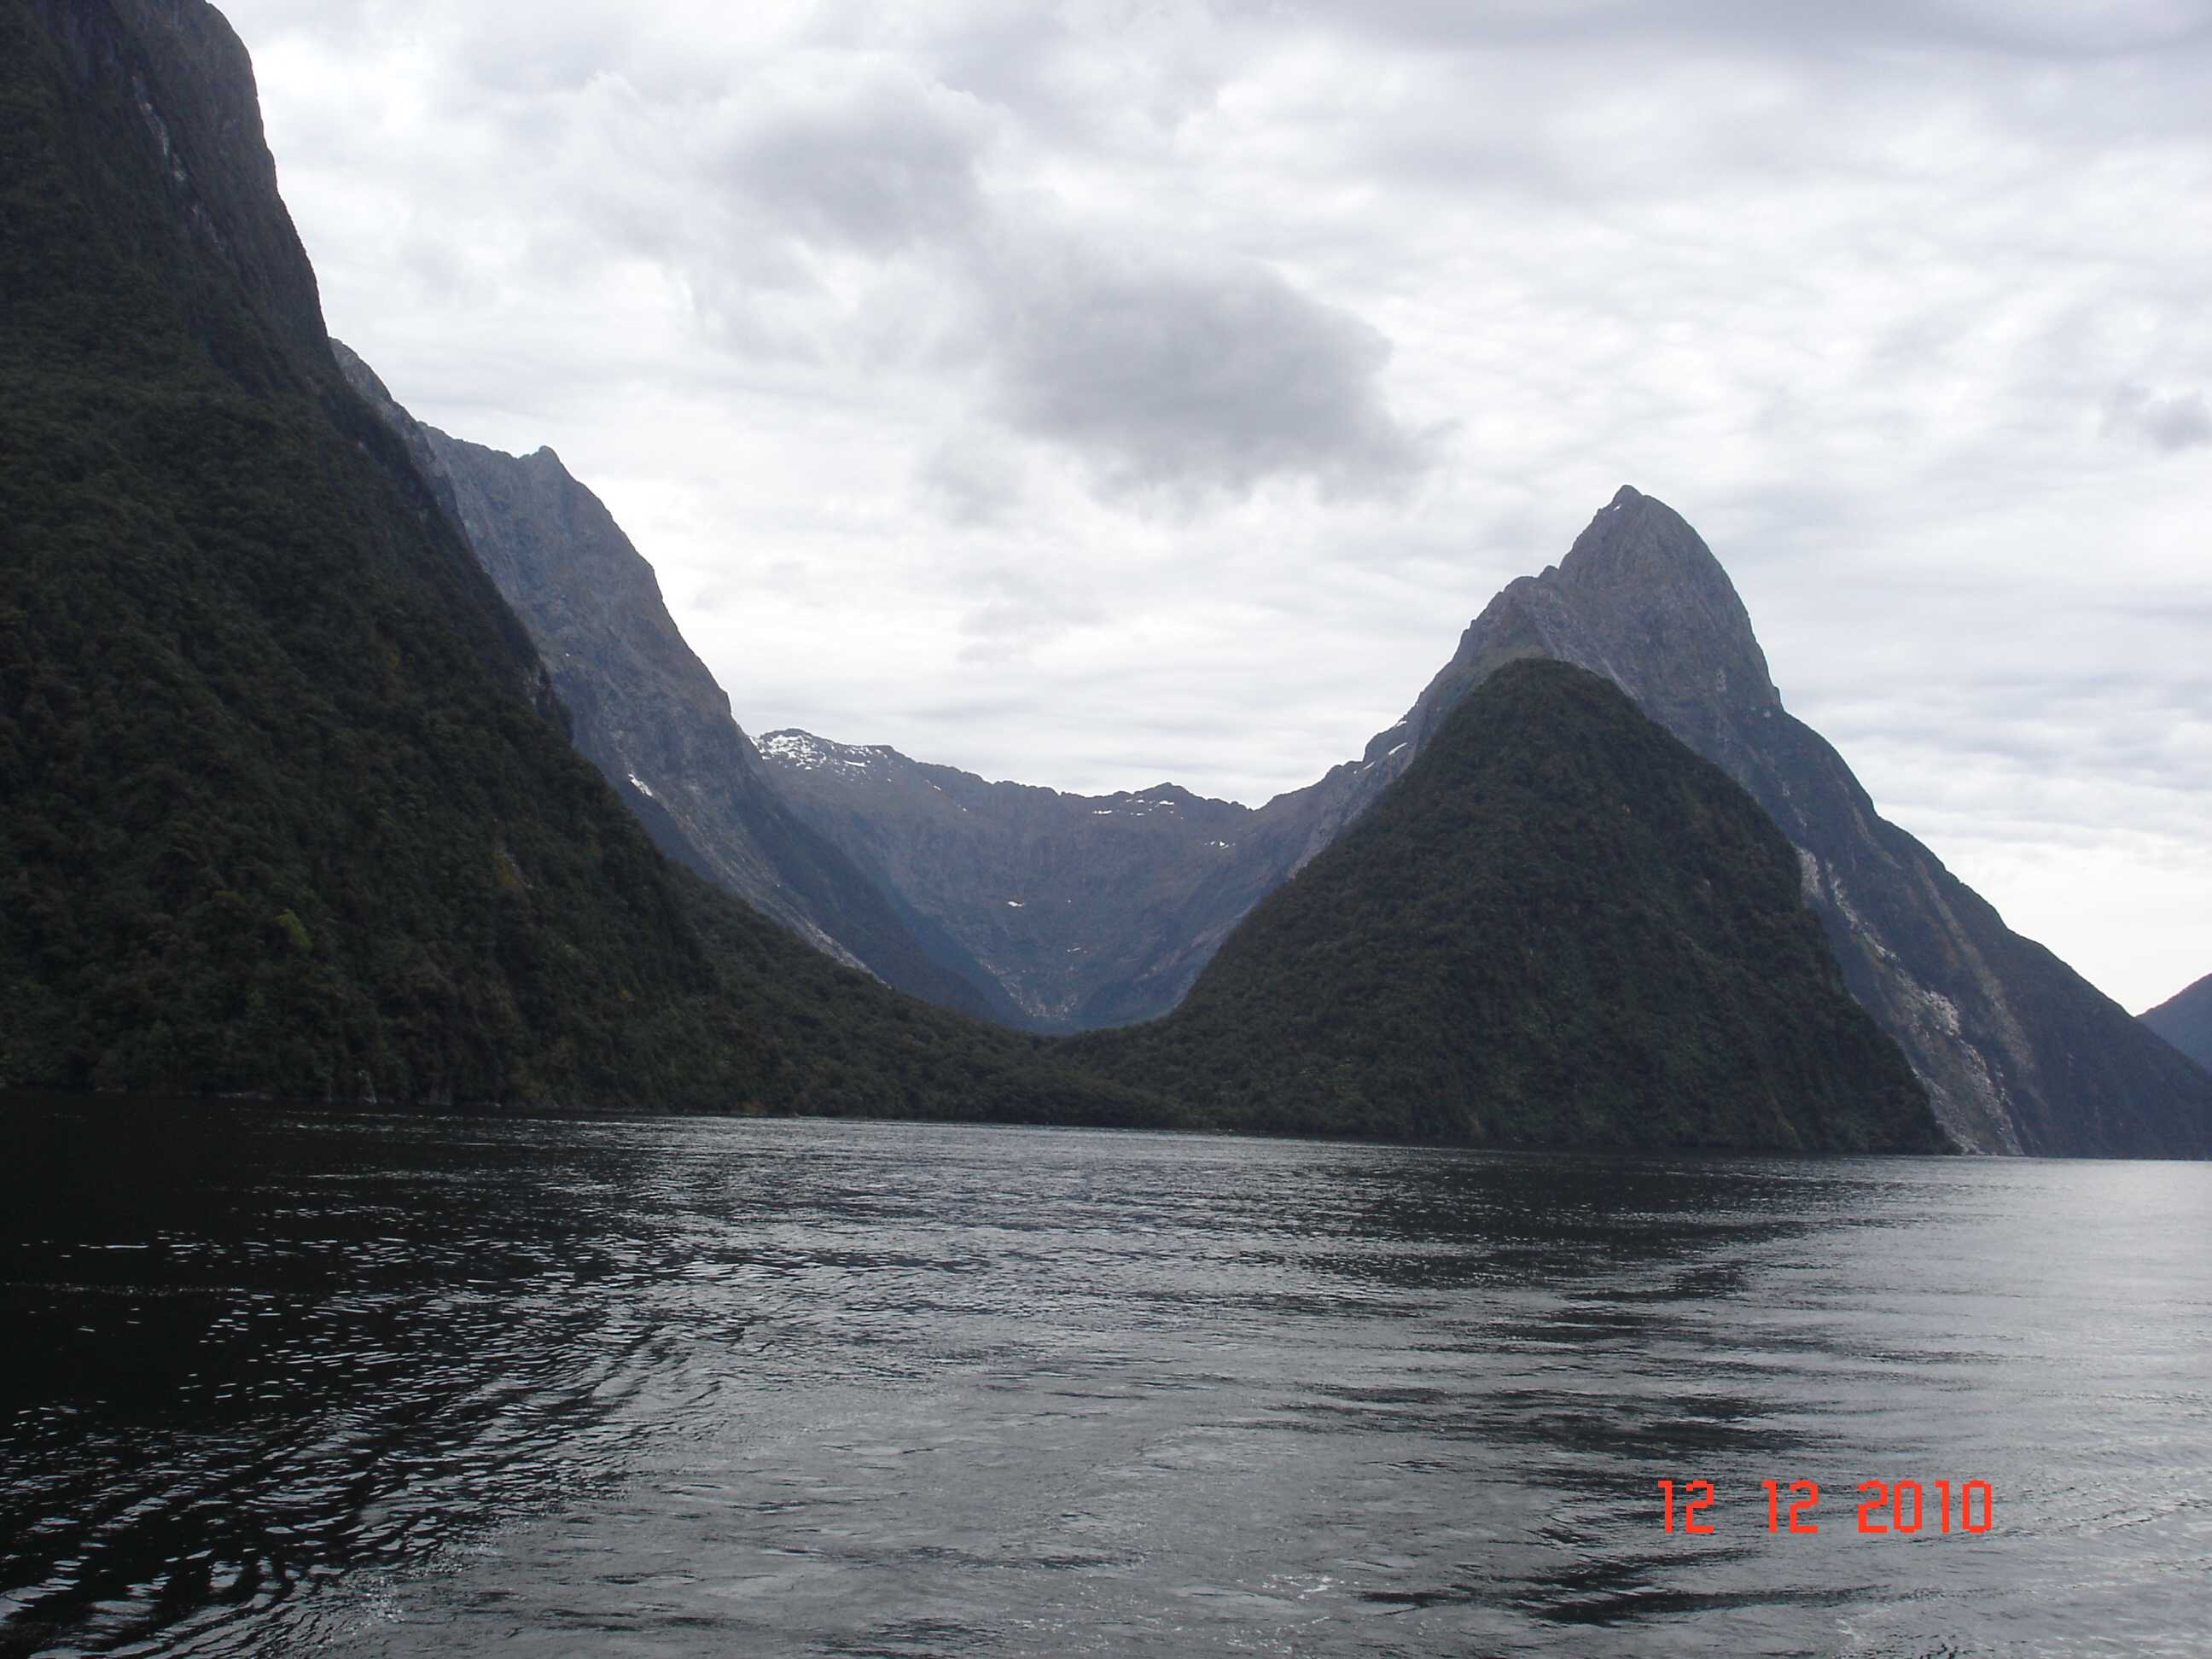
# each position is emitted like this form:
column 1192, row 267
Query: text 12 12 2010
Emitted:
column 1900, row 1508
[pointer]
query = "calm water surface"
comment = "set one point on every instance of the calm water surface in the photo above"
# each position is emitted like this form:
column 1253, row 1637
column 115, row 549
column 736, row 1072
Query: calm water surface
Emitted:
column 389, row 1386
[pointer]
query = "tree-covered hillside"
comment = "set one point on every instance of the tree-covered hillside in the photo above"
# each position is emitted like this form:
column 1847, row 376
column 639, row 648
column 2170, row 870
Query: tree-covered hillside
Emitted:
column 1559, row 927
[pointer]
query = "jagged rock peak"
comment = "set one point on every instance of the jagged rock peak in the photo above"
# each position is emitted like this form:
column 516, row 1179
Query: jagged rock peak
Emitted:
column 1639, row 542
column 1641, row 598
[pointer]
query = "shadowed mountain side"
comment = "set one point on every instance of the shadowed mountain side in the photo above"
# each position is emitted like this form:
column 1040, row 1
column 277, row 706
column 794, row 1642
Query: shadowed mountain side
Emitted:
column 1560, row 927
column 646, row 711
column 1062, row 899
column 286, row 806
column 2185, row 1021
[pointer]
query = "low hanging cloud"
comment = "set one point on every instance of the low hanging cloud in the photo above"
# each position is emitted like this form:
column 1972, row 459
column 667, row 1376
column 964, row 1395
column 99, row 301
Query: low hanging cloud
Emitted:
column 2181, row 420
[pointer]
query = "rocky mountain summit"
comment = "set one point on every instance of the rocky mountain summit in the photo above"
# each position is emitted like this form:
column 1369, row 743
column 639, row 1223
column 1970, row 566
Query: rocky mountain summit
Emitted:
column 647, row 713
column 2185, row 1021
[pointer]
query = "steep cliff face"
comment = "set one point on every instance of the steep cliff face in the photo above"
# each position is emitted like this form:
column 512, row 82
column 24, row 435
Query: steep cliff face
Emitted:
column 169, row 88
column 2185, row 1021
column 646, row 711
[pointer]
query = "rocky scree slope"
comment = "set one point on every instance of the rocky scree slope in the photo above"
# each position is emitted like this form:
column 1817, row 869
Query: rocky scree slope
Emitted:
column 645, row 710
column 1559, row 927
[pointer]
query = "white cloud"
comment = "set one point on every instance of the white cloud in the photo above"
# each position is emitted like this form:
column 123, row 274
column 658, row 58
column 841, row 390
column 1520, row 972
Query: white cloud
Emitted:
column 2181, row 420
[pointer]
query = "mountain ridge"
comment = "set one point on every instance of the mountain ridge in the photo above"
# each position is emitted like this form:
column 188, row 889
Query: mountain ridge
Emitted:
column 647, row 713
column 2020, row 1054
column 1060, row 892
column 290, row 802
column 2185, row 1019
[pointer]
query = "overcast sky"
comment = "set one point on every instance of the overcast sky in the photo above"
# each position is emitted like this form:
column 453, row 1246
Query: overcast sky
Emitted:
column 1107, row 392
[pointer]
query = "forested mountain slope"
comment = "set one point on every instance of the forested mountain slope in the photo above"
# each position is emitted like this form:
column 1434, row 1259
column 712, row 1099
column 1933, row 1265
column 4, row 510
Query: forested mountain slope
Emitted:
column 1559, row 927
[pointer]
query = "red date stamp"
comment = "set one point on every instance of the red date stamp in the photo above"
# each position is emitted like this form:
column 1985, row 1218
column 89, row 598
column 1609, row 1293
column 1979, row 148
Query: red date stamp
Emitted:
column 1901, row 1507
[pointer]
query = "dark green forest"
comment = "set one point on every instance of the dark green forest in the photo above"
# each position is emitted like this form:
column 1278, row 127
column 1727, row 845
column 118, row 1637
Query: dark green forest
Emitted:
column 1559, row 927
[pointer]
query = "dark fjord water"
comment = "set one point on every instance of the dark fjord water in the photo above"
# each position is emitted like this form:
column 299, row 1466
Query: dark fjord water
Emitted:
column 287, row 1384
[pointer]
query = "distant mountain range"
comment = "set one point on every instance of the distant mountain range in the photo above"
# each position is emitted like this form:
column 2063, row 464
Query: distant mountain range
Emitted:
column 2185, row 1021
column 2020, row 1054
column 340, row 758
column 1087, row 910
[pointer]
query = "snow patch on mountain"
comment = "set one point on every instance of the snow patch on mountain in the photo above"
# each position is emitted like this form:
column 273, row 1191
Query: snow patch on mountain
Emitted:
column 811, row 754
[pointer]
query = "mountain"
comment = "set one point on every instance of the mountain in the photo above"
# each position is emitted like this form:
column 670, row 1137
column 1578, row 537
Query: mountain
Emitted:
column 2185, row 1021
column 1064, row 900
column 2019, row 1053
column 288, row 804
column 1558, row 927
column 645, row 710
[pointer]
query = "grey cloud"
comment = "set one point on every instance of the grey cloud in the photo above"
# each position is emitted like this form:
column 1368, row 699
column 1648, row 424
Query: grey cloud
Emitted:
column 1017, row 613
column 875, row 163
column 1178, row 380
column 970, row 482
column 2182, row 421
column 1187, row 378
column 558, row 49
column 2040, row 28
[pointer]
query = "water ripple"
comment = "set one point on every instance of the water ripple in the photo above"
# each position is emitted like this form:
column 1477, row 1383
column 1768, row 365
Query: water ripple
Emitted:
column 395, row 1386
